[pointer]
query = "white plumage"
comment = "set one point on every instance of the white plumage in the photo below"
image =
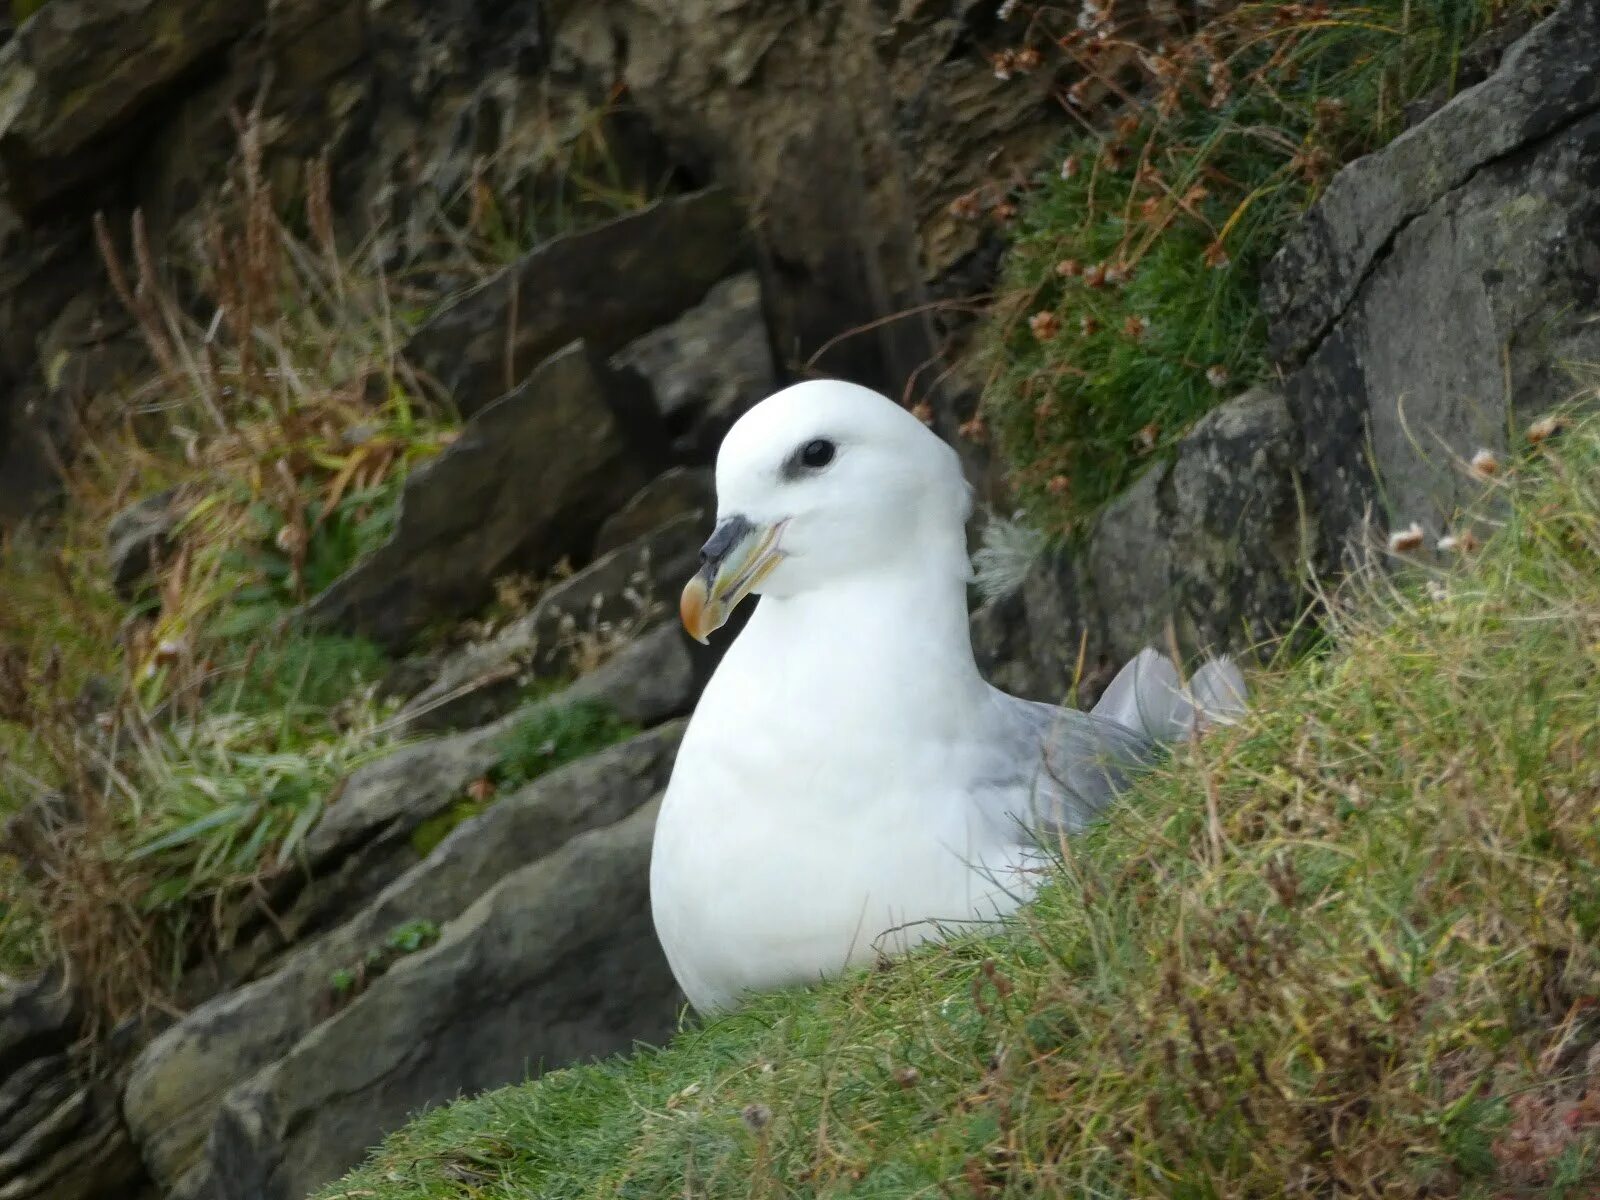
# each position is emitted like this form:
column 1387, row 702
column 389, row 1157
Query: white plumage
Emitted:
column 849, row 785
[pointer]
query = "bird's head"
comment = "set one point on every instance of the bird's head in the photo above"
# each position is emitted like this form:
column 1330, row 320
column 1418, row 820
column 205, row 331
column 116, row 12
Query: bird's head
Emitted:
column 821, row 482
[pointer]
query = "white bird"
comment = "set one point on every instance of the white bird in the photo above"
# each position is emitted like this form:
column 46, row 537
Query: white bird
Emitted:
column 849, row 785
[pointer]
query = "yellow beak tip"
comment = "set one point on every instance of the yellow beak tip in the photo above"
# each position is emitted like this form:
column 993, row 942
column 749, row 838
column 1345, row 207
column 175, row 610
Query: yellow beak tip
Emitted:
column 695, row 608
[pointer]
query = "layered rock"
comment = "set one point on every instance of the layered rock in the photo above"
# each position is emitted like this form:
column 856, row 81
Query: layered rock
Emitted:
column 77, row 76
column 1438, row 296
column 605, row 286
column 533, row 957
column 527, row 483
column 596, row 613
column 369, row 835
column 1208, row 551
column 562, row 965
column 61, row 1131
column 845, row 131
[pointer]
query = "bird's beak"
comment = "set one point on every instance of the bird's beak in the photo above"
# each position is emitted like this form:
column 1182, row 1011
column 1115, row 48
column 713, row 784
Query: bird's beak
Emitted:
column 733, row 562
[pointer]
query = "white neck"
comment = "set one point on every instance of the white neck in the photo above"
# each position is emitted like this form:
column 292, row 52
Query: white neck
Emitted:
column 850, row 645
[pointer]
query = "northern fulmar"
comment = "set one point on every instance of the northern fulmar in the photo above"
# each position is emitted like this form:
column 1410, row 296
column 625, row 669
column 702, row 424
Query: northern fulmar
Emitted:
column 849, row 785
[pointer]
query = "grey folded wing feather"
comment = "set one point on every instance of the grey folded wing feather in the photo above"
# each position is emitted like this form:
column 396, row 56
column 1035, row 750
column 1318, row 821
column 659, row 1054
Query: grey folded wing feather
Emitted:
column 1070, row 765
column 1065, row 766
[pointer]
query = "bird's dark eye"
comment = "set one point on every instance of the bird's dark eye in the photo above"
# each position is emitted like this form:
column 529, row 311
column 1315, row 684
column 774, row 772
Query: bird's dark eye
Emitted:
column 816, row 453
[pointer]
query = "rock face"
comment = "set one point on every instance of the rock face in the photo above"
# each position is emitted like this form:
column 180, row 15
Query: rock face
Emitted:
column 78, row 75
column 1430, row 305
column 1432, row 300
column 61, row 1134
column 1210, row 546
column 844, row 129
column 539, row 955
column 562, row 965
column 528, row 482
column 606, row 286
column 678, row 492
column 368, row 836
column 707, row 366
column 616, row 598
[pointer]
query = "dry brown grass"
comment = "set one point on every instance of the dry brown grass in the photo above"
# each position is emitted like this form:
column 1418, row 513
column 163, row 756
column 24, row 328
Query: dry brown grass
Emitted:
column 280, row 416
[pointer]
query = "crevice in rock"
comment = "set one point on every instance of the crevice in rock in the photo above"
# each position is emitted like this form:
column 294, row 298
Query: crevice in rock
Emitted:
column 1386, row 249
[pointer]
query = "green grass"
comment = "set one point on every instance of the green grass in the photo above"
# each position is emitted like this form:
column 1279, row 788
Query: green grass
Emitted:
column 349, row 981
column 552, row 736
column 1349, row 948
column 220, row 796
column 549, row 736
column 1132, row 285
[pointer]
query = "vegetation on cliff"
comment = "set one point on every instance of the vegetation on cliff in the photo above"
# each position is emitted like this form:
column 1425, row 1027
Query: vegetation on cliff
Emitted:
column 170, row 732
column 1349, row 947
column 1130, row 303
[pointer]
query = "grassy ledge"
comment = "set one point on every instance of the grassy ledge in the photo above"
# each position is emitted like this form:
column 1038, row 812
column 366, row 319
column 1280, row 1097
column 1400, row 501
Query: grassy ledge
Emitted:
column 1131, row 293
column 1349, row 948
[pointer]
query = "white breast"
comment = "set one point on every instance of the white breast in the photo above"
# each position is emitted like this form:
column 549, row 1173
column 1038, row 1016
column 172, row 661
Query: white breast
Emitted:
column 794, row 842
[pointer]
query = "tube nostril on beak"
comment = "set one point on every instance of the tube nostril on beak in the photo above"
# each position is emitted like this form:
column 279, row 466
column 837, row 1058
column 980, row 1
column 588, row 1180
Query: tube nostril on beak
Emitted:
column 728, row 533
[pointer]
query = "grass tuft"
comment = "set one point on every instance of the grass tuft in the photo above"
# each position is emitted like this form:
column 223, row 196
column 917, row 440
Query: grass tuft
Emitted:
column 552, row 736
column 1131, row 292
column 170, row 754
column 1350, row 947
column 548, row 737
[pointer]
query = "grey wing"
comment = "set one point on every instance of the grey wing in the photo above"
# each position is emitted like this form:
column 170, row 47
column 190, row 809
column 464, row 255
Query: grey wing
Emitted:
column 1064, row 767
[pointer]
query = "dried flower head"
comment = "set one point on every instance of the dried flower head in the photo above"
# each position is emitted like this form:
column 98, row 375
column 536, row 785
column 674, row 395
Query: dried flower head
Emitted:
column 966, row 207
column 1147, row 437
column 1004, row 212
column 1465, row 542
column 1485, row 464
column 291, row 539
column 1007, row 10
column 1045, row 325
column 1069, row 268
column 1069, row 166
column 481, row 789
column 1136, row 327
column 1095, row 275
column 1027, row 59
column 1217, row 375
column 907, row 1077
column 756, row 1117
column 1059, row 485
column 1545, row 428
column 1003, row 62
column 1088, row 325
column 1216, row 256
column 1403, row 541
column 975, row 430
column 923, row 411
